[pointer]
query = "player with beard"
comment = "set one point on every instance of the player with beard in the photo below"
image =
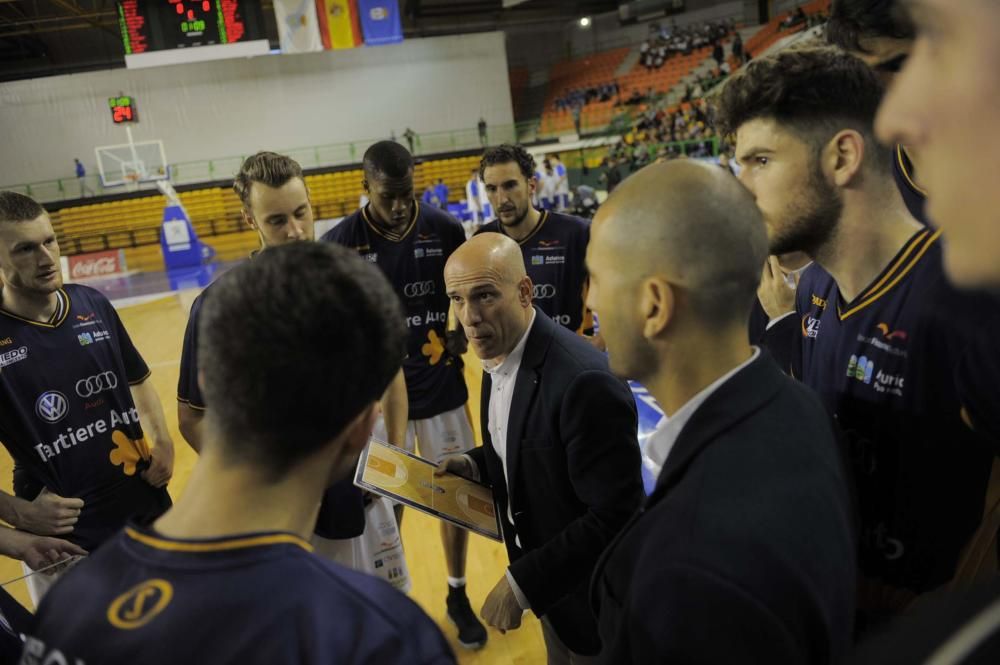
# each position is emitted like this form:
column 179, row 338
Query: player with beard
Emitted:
column 881, row 330
column 554, row 245
column 411, row 242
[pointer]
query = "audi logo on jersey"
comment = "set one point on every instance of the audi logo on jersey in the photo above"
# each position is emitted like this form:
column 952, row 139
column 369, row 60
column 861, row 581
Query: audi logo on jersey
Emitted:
column 98, row 383
column 542, row 291
column 417, row 289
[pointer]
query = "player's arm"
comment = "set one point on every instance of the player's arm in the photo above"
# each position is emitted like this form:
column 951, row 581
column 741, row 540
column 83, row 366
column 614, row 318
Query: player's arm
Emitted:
column 36, row 551
column 48, row 515
column 154, row 426
column 190, row 404
column 395, row 410
column 189, row 422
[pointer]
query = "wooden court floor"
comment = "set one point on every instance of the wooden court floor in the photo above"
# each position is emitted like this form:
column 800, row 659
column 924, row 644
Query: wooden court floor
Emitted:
column 157, row 329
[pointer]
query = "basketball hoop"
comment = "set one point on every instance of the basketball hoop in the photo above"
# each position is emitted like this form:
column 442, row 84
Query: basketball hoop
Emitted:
column 131, row 181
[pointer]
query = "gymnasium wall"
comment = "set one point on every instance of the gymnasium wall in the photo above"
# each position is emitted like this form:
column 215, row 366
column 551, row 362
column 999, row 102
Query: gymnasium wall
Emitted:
column 235, row 107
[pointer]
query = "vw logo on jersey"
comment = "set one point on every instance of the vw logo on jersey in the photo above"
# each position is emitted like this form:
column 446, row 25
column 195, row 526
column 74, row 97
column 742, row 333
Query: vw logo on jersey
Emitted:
column 96, row 384
column 543, row 291
column 417, row 289
column 52, row 406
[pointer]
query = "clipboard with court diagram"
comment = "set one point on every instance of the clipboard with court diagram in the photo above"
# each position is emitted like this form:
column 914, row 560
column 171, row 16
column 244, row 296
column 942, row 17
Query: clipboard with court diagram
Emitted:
column 402, row 476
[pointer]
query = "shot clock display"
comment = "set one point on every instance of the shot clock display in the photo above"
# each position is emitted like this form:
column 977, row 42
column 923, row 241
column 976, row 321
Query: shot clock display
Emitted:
column 156, row 25
column 123, row 109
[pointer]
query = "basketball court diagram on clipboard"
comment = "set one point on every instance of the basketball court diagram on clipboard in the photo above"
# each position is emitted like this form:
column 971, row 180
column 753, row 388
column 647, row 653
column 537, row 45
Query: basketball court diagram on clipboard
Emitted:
column 402, row 476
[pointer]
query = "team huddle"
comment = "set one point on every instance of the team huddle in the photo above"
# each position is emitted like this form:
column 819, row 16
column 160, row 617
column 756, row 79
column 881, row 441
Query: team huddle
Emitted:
column 825, row 465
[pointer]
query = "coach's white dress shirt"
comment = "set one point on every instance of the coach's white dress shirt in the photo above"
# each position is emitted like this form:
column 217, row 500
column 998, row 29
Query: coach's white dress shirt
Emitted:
column 503, row 376
column 662, row 440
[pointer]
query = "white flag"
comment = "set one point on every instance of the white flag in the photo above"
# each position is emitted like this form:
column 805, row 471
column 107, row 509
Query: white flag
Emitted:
column 298, row 27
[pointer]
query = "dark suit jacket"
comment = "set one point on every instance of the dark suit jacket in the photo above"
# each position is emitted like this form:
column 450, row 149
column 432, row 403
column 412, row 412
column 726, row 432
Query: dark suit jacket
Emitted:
column 744, row 552
column 574, row 471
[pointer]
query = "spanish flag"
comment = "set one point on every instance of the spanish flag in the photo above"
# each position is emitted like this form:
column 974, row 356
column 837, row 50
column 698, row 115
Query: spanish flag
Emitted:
column 338, row 23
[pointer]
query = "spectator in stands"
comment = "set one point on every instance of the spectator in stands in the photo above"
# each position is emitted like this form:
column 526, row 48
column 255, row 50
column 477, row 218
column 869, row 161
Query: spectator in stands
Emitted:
column 482, row 131
column 409, row 135
column 473, row 199
column 719, row 53
column 611, row 176
column 430, row 197
column 441, row 191
column 738, row 48
column 798, row 17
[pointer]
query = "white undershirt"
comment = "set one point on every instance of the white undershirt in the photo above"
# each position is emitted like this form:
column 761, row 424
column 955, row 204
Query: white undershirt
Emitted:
column 662, row 440
column 503, row 377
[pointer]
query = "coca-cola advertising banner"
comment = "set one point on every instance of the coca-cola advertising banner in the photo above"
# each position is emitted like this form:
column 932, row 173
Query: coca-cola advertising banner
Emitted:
column 96, row 264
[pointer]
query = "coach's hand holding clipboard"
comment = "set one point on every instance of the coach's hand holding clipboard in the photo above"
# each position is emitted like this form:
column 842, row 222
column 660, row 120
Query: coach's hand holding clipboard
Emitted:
column 448, row 492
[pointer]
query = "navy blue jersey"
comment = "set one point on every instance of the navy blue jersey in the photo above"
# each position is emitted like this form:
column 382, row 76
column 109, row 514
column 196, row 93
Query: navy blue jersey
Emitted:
column 555, row 255
column 342, row 512
column 256, row 598
column 914, row 197
column 188, row 390
column 414, row 264
column 67, row 416
column 886, row 364
column 758, row 322
column 14, row 622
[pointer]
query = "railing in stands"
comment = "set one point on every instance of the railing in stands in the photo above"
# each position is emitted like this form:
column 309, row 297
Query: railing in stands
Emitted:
column 313, row 157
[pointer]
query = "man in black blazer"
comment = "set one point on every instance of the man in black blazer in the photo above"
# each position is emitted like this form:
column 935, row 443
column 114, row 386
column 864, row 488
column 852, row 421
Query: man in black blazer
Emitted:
column 560, row 448
column 744, row 551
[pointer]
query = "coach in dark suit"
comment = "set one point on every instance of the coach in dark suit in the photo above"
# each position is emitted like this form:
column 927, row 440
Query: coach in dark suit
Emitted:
column 560, row 447
column 744, row 552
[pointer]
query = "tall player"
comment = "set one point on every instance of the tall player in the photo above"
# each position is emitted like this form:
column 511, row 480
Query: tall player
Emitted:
column 879, row 34
column 227, row 576
column 77, row 412
column 881, row 331
column 275, row 203
column 554, row 245
column 411, row 242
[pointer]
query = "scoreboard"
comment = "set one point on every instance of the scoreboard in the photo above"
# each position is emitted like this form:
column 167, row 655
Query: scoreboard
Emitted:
column 123, row 109
column 158, row 25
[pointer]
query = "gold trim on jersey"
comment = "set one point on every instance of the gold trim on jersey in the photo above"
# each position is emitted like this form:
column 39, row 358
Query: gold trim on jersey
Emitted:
column 901, row 161
column 235, row 544
column 924, row 241
column 409, row 229
column 58, row 316
column 908, row 248
column 191, row 405
column 145, row 376
column 534, row 232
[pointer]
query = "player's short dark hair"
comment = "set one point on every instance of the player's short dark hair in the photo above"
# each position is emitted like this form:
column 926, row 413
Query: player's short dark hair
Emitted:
column 854, row 20
column 814, row 92
column 506, row 153
column 267, row 168
column 388, row 158
column 16, row 207
column 294, row 344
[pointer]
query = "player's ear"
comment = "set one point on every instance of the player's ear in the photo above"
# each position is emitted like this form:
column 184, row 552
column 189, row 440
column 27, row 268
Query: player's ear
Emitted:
column 358, row 431
column 248, row 218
